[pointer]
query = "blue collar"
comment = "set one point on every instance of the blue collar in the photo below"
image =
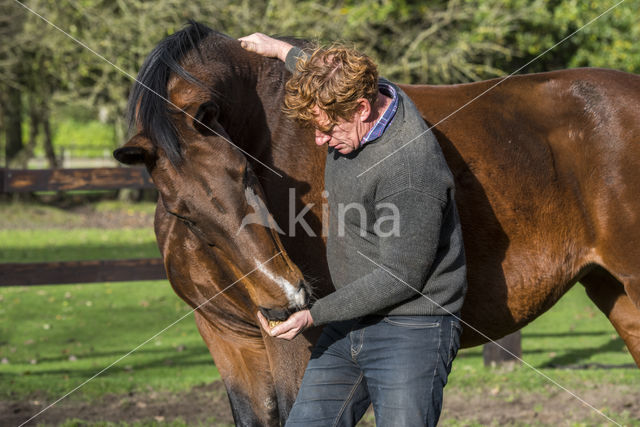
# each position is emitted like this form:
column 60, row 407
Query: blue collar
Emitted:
column 378, row 129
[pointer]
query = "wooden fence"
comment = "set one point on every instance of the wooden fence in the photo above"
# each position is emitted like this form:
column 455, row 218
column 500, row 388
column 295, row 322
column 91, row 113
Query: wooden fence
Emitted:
column 50, row 273
column 24, row 180
column 53, row 273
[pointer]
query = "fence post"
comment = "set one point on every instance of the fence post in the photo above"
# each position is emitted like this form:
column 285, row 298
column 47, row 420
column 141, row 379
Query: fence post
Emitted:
column 505, row 350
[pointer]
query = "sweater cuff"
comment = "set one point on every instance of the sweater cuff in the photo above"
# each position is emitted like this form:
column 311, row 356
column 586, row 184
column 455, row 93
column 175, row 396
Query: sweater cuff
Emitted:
column 319, row 314
column 292, row 58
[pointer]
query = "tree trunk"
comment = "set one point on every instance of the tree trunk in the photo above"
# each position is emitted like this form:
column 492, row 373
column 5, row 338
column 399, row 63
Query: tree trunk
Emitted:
column 34, row 125
column 48, row 142
column 13, row 123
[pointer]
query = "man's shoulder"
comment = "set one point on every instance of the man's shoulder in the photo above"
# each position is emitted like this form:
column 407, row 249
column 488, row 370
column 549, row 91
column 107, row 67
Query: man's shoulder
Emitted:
column 413, row 158
column 414, row 168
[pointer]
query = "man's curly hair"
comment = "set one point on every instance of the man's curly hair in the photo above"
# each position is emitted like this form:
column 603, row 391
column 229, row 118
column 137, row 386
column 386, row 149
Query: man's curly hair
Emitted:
column 332, row 79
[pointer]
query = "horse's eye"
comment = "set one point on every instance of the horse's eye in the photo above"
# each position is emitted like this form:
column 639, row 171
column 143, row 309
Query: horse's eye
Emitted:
column 205, row 120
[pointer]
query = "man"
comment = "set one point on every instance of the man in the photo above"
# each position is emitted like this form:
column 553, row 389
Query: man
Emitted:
column 394, row 248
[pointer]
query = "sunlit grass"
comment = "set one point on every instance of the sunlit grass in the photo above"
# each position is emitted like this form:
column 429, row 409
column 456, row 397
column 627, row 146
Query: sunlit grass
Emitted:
column 54, row 338
column 37, row 216
column 572, row 334
column 76, row 245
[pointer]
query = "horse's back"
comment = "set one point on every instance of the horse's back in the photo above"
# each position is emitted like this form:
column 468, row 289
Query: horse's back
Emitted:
column 547, row 170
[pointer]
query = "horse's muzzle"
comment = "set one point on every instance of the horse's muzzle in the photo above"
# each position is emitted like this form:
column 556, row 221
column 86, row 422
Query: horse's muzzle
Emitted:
column 300, row 301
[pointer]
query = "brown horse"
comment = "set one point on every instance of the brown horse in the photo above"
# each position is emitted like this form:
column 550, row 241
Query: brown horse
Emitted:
column 547, row 170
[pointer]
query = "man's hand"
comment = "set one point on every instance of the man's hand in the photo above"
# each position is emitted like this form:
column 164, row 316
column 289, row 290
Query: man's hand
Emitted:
column 265, row 46
column 296, row 323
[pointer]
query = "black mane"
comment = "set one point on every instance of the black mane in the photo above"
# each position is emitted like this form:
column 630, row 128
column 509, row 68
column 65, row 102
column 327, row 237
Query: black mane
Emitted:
column 150, row 88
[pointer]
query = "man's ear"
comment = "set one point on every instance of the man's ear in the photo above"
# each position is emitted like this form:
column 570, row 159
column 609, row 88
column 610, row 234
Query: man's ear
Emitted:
column 137, row 150
column 364, row 109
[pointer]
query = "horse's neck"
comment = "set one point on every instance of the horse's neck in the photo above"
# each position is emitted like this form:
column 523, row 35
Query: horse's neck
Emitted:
column 279, row 133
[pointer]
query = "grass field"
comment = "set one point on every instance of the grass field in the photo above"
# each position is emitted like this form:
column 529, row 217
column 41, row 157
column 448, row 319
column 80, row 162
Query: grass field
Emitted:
column 53, row 338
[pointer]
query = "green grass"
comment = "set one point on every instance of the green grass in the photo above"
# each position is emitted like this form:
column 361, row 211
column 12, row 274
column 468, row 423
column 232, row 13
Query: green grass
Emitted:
column 53, row 338
column 36, row 216
column 18, row 214
column 128, row 208
column 76, row 245
column 82, row 138
column 574, row 332
column 76, row 130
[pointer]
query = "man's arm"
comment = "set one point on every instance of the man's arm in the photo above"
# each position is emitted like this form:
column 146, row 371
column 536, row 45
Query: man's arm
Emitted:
column 399, row 273
column 266, row 46
column 403, row 265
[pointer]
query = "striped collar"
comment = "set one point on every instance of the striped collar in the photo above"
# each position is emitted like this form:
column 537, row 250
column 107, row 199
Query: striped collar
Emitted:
column 378, row 129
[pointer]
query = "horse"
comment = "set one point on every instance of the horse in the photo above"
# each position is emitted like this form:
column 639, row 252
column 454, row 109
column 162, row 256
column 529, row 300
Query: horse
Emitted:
column 547, row 173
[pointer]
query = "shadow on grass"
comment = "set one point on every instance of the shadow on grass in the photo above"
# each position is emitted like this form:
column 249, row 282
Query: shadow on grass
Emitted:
column 572, row 357
column 118, row 353
column 568, row 334
column 183, row 359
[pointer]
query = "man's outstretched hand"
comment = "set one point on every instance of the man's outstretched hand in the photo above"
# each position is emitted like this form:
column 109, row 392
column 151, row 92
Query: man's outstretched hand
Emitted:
column 290, row 328
column 265, row 46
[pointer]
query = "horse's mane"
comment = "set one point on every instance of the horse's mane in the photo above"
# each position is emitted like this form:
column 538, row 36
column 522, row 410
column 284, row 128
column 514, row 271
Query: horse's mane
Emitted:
column 148, row 105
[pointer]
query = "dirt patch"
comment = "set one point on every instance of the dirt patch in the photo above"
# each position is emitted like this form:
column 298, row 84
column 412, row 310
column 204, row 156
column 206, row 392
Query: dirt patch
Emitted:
column 205, row 404
column 515, row 408
column 208, row 405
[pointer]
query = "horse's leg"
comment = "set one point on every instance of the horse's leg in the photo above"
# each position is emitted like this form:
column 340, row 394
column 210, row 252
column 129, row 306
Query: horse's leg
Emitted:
column 610, row 297
column 244, row 367
column 288, row 360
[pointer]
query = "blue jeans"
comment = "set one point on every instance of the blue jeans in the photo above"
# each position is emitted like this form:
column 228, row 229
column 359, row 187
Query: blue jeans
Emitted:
column 399, row 364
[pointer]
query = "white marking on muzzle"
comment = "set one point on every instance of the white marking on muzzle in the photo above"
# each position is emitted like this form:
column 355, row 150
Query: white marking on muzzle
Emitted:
column 295, row 296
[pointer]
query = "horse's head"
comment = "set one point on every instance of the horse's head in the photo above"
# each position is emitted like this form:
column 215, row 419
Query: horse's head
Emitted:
column 195, row 142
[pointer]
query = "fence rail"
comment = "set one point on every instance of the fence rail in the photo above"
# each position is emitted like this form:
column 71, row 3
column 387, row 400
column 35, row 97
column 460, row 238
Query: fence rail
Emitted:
column 69, row 272
column 27, row 180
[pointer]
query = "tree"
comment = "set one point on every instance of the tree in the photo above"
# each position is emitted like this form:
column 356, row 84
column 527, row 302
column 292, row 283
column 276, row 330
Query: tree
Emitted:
column 427, row 41
column 10, row 87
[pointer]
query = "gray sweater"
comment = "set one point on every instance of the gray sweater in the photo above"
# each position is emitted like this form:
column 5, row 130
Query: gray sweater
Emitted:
column 395, row 244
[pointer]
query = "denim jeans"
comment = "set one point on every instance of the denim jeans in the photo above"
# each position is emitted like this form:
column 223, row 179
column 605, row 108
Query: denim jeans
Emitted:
column 399, row 364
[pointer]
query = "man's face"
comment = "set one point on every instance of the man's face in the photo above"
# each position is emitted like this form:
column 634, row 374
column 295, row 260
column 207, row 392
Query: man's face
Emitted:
column 345, row 136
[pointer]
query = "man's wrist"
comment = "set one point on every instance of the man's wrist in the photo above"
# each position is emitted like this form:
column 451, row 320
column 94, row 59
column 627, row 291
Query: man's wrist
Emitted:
column 284, row 51
column 309, row 319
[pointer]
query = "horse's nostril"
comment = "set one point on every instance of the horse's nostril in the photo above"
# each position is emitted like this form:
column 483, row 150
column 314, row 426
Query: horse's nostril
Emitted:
column 303, row 291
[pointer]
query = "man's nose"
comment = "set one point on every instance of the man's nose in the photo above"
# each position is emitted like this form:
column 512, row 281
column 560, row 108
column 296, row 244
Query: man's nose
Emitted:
column 322, row 138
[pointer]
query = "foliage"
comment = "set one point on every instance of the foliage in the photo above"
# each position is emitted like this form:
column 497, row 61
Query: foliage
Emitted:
column 611, row 42
column 433, row 41
column 86, row 139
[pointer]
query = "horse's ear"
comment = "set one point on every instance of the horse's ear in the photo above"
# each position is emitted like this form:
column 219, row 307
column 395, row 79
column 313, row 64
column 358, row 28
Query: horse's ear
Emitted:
column 206, row 119
column 138, row 149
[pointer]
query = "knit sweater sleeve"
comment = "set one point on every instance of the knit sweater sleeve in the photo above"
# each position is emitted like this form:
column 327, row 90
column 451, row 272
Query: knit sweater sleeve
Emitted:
column 405, row 259
column 292, row 58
